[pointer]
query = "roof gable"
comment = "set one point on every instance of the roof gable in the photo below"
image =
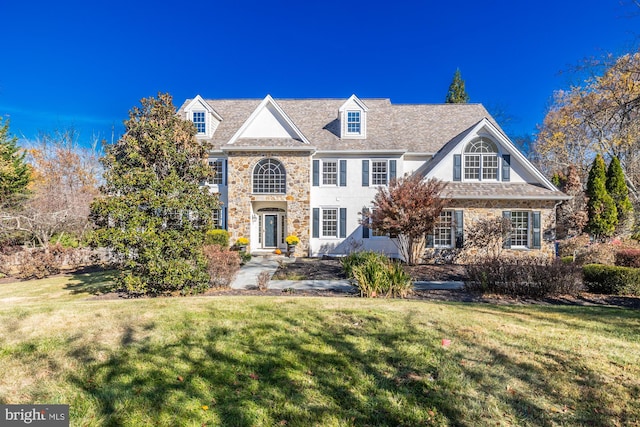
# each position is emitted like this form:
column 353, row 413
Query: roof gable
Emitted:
column 443, row 158
column 198, row 103
column 268, row 121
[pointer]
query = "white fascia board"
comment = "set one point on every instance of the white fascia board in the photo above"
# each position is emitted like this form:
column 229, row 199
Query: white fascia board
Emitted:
column 488, row 197
column 307, row 148
column 356, row 100
column 268, row 100
column 514, row 151
column 361, row 153
column 200, row 101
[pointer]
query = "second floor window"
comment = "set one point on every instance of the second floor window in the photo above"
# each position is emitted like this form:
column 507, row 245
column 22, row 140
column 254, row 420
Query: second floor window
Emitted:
column 379, row 172
column 269, row 177
column 199, row 121
column 329, row 173
column 481, row 160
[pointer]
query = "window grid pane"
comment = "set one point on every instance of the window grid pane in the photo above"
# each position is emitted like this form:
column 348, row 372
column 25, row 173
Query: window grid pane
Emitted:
column 379, row 173
column 199, row 121
column 471, row 167
column 269, row 177
column 443, row 233
column 218, row 173
column 490, row 167
column 329, row 223
column 329, row 173
column 217, row 223
column 520, row 229
column 353, row 121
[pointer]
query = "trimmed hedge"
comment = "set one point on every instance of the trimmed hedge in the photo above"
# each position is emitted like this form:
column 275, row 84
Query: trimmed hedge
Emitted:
column 612, row 280
column 217, row 237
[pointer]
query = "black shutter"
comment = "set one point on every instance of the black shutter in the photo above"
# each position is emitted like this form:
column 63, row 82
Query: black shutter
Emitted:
column 459, row 218
column 430, row 240
column 365, row 173
column 315, row 230
column 506, row 167
column 392, row 170
column 506, row 243
column 224, row 218
column 226, row 174
column 316, row 173
column 457, row 167
column 342, row 231
column 343, row 173
column 537, row 241
column 365, row 229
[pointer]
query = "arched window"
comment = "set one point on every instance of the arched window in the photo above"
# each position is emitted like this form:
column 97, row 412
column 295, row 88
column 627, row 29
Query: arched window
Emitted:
column 481, row 160
column 269, row 177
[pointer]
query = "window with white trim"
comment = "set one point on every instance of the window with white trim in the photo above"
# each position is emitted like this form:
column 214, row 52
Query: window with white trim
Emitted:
column 269, row 177
column 353, row 122
column 329, row 172
column 520, row 229
column 329, row 222
column 379, row 172
column 443, row 230
column 217, row 166
column 481, row 160
column 199, row 119
column 217, row 219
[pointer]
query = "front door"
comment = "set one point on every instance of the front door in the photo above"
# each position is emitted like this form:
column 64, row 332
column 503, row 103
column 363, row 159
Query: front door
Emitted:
column 270, row 231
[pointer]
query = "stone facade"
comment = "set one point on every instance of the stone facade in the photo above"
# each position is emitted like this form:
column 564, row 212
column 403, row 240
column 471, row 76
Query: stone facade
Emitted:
column 241, row 198
column 475, row 210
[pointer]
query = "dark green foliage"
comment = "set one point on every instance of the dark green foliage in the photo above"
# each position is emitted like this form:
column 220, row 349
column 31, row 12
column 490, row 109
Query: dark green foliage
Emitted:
column 152, row 212
column 611, row 280
column 617, row 188
column 601, row 208
column 15, row 174
column 217, row 237
column 526, row 277
column 457, row 93
column 628, row 258
column 245, row 257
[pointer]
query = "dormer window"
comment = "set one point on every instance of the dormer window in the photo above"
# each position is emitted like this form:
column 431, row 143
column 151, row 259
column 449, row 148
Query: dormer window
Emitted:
column 199, row 119
column 481, row 160
column 353, row 119
column 353, row 122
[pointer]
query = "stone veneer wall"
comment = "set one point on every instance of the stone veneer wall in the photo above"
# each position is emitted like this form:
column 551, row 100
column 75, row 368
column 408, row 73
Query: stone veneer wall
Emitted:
column 297, row 166
column 477, row 209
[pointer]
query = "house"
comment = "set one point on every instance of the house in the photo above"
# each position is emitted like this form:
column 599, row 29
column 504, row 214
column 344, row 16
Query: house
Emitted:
column 308, row 167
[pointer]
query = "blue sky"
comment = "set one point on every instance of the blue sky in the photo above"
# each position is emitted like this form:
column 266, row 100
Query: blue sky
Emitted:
column 85, row 64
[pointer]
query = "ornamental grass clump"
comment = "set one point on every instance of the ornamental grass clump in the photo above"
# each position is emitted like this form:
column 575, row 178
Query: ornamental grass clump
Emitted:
column 376, row 275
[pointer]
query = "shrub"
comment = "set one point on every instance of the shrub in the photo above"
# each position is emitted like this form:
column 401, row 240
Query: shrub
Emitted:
column 245, row 257
column 377, row 275
column 217, row 237
column 359, row 258
column 613, row 280
column 222, row 265
column 526, row 277
column 596, row 253
column 567, row 259
column 628, row 258
column 292, row 240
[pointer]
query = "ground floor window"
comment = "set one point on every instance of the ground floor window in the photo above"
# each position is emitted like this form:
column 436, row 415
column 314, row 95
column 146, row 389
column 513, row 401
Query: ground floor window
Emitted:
column 330, row 223
column 520, row 229
column 443, row 231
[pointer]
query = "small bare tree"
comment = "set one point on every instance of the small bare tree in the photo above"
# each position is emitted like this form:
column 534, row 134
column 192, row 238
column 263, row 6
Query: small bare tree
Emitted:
column 408, row 208
column 487, row 235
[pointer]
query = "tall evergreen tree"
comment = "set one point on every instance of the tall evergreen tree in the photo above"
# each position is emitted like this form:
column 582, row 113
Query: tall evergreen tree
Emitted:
column 603, row 215
column 15, row 173
column 152, row 212
column 457, row 93
column 617, row 188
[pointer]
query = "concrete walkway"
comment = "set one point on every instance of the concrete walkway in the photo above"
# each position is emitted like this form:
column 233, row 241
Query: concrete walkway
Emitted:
column 247, row 278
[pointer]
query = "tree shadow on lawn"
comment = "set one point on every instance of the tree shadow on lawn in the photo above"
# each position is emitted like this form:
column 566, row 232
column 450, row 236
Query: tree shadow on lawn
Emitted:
column 91, row 281
column 284, row 371
column 352, row 370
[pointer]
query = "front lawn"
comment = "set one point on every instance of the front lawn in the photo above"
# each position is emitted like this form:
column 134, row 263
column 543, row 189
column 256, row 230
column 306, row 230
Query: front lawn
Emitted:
column 314, row 361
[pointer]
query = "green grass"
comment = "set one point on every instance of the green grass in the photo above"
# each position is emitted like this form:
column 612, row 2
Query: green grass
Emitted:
column 293, row 361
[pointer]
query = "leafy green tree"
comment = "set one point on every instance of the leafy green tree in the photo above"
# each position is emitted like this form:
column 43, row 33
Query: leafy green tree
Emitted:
column 15, row 173
column 152, row 212
column 601, row 208
column 457, row 93
column 617, row 188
